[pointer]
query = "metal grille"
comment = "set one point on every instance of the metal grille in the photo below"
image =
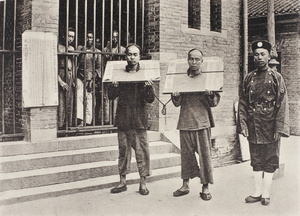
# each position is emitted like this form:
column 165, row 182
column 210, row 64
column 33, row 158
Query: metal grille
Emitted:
column 97, row 21
column 10, row 104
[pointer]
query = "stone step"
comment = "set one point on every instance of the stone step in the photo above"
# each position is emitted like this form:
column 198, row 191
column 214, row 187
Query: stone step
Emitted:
column 64, row 144
column 77, row 172
column 63, row 158
column 28, row 194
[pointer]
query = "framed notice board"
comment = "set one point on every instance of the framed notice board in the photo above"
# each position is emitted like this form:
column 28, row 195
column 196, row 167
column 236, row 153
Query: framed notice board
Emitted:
column 39, row 69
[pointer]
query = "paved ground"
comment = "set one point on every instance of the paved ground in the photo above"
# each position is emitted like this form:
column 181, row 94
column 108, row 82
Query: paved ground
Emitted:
column 232, row 184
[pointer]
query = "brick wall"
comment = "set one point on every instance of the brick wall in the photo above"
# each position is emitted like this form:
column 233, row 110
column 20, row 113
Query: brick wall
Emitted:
column 176, row 39
column 40, row 124
column 151, row 49
column 290, row 67
column 24, row 11
column 153, row 111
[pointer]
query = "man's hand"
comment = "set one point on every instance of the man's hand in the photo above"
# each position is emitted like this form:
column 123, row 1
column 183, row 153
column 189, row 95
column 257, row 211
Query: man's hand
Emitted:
column 115, row 83
column 149, row 83
column 64, row 86
column 75, row 86
column 208, row 92
column 245, row 133
column 175, row 94
column 89, row 86
column 277, row 136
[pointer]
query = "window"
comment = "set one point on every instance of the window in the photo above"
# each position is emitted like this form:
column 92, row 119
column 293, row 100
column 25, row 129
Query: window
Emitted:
column 194, row 17
column 215, row 15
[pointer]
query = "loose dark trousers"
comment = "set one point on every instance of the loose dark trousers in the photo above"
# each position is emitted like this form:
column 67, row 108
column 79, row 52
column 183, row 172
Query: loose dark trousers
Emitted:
column 138, row 140
column 189, row 164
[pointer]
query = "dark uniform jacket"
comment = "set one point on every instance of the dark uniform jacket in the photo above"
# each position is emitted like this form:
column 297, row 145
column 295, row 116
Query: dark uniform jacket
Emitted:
column 263, row 106
column 131, row 111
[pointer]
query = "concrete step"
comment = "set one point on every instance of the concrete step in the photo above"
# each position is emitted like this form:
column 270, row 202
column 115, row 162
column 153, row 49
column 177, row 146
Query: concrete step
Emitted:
column 62, row 158
column 77, row 172
column 28, row 194
column 64, row 144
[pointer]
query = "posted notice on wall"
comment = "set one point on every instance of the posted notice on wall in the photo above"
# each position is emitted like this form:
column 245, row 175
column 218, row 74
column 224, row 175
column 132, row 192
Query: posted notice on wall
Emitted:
column 39, row 69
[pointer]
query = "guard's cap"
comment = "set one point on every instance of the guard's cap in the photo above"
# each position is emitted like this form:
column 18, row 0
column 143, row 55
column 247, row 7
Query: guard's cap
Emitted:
column 261, row 44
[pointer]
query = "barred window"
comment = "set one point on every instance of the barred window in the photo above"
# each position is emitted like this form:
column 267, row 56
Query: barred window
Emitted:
column 194, row 14
column 215, row 15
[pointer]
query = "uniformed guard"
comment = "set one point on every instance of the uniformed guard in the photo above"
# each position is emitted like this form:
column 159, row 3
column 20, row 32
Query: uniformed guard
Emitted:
column 263, row 119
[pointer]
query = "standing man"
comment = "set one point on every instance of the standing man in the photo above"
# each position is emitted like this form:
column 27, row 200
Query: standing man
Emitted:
column 89, row 60
column 132, row 123
column 114, row 47
column 263, row 119
column 67, row 82
column 195, row 122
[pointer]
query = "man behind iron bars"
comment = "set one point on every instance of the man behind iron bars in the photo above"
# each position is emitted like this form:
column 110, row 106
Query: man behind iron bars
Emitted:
column 67, row 82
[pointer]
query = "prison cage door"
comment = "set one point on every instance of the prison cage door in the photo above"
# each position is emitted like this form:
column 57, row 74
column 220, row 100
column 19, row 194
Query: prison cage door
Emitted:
column 102, row 29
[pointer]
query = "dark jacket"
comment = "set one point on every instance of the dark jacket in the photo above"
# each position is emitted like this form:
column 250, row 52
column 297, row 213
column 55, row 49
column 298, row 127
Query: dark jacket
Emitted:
column 195, row 110
column 131, row 110
column 263, row 106
column 90, row 60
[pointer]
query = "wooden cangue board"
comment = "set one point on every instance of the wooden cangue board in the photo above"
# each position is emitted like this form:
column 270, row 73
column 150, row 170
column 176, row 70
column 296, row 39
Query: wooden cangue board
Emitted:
column 211, row 77
column 115, row 71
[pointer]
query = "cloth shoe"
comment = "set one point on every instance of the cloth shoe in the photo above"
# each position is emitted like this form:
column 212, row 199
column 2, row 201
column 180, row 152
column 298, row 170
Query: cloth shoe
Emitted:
column 179, row 193
column 144, row 191
column 118, row 189
column 252, row 199
column 206, row 196
column 265, row 201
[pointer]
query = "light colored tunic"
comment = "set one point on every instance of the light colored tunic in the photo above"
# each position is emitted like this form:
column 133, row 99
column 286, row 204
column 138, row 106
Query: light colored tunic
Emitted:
column 80, row 102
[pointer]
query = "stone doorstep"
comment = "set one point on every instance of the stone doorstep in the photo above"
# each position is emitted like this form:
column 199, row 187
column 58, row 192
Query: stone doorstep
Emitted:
column 92, row 184
column 64, row 174
column 64, row 143
column 62, row 158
